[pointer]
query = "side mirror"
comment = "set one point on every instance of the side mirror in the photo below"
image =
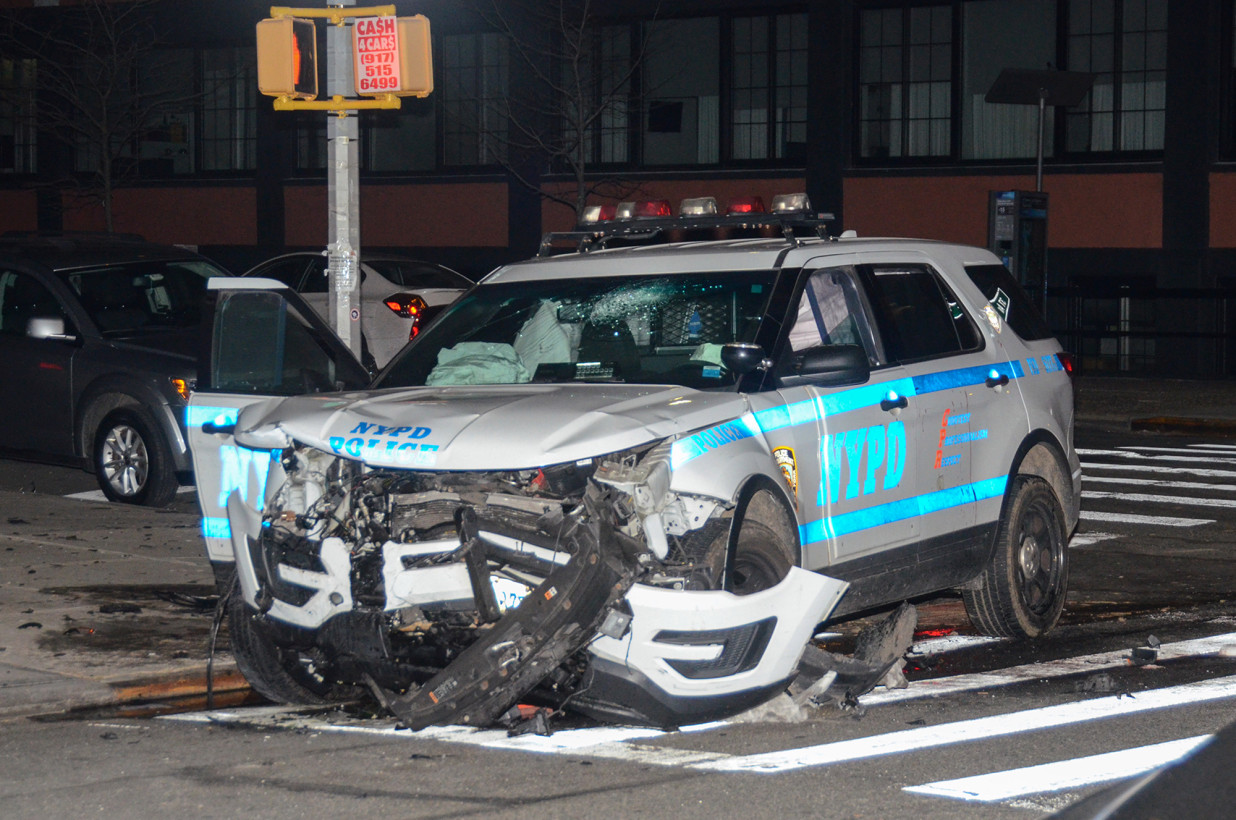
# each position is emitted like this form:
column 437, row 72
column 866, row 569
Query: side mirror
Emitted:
column 47, row 327
column 830, row 366
column 743, row 358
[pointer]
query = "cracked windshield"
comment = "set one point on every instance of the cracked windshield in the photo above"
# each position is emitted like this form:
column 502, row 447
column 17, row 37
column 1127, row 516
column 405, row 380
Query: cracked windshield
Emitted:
column 657, row 329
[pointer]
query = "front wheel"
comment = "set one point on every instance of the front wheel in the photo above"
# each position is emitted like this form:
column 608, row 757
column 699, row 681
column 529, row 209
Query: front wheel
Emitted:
column 279, row 674
column 1021, row 592
column 132, row 461
column 764, row 551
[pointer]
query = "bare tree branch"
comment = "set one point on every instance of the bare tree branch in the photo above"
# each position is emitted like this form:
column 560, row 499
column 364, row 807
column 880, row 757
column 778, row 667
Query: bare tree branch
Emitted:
column 558, row 44
column 102, row 80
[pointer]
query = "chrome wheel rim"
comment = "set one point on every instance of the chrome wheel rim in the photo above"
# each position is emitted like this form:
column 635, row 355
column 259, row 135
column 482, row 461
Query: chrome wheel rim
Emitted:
column 124, row 460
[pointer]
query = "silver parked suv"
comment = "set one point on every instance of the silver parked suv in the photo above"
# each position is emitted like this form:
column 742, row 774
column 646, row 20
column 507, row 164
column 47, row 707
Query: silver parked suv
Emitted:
column 632, row 481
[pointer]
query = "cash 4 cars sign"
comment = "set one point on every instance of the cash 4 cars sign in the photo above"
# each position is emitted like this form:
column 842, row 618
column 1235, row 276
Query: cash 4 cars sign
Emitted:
column 391, row 55
column 375, row 42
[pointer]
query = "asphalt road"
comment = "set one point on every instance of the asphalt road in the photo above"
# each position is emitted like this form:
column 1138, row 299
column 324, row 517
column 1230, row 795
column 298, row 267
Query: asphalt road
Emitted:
column 987, row 729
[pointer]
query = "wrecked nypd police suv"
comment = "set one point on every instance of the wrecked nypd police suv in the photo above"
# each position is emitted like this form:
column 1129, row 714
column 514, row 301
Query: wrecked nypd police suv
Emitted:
column 632, row 481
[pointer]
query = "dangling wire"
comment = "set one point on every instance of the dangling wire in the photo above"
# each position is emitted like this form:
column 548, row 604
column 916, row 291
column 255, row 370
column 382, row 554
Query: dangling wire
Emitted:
column 220, row 611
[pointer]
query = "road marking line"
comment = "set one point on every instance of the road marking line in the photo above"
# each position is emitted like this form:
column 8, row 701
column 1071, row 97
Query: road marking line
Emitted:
column 1153, row 520
column 1089, row 539
column 1042, row 671
column 1149, row 498
column 1064, row 774
column 1196, row 449
column 1126, row 454
column 951, row 643
column 929, row 737
column 1151, row 482
column 1154, row 468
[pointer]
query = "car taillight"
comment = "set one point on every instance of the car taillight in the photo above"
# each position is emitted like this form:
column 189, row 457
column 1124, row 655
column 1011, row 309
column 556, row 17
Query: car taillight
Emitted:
column 1066, row 361
column 407, row 305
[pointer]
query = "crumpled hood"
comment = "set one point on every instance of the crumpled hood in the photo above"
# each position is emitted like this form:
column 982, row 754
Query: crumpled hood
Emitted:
column 501, row 427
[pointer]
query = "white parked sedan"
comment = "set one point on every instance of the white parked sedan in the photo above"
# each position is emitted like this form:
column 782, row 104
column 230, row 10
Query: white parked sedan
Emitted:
column 398, row 295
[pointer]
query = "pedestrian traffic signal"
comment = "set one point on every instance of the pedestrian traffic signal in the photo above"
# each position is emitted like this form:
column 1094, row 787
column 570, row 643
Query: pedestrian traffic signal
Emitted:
column 392, row 55
column 287, row 57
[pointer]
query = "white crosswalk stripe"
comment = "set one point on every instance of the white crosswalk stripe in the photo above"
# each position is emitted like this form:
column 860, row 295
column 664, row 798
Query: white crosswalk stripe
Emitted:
column 1181, row 474
column 643, row 746
column 1064, row 774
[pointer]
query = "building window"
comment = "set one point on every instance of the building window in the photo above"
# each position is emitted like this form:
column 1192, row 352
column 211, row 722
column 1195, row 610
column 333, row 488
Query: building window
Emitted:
column 768, row 88
column 905, row 80
column 474, row 99
column 1000, row 34
column 682, row 117
column 1124, row 43
column 17, row 120
column 610, row 95
column 229, row 110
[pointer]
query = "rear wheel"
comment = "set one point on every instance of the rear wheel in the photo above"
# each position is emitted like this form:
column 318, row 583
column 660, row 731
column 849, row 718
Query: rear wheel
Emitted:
column 279, row 674
column 132, row 461
column 764, row 551
column 1021, row 592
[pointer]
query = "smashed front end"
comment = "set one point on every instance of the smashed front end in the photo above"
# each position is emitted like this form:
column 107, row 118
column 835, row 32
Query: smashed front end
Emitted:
column 453, row 596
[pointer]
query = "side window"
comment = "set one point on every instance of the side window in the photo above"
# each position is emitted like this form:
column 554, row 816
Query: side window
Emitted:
column 263, row 345
column 918, row 316
column 829, row 313
column 315, row 279
column 1010, row 300
column 288, row 271
column 22, row 298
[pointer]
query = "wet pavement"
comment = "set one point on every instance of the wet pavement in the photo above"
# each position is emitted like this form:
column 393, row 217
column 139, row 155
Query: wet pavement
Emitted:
column 104, row 605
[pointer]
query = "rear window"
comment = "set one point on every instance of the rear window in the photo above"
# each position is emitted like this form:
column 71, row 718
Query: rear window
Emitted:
column 1011, row 300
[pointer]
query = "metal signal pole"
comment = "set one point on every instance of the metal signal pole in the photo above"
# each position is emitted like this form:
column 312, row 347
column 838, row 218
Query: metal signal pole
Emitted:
column 343, row 191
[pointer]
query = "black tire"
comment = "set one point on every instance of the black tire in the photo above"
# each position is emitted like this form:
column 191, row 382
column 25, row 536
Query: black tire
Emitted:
column 279, row 674
column 1021, row 593
column 763, row 554
column 132, row 461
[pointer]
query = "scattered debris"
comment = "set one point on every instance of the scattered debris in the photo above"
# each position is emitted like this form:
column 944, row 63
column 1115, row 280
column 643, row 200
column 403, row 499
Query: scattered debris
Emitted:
column 522, row 719
column 1145, row 655
column 31, row 625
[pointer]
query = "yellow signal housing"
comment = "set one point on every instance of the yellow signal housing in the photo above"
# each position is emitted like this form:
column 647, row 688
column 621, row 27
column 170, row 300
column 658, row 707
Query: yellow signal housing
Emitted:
column 415, row 57
column 287, row 58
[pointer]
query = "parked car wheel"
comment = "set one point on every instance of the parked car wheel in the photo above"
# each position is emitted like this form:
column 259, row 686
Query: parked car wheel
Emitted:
column 132, row 461
column 1021, row 592
column 279, row 674
column 762, row 555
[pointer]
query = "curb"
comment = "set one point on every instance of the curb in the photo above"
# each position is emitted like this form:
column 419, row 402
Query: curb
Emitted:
column 52, row 695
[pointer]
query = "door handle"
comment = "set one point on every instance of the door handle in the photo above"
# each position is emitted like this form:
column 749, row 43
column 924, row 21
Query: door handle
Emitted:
column 997, row 379
column 893, row 402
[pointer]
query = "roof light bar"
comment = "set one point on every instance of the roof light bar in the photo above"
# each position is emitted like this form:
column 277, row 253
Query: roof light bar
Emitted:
column 698, row 206
column 791, row 204
column 599, row 213
column 643, row 220
column 746, row 205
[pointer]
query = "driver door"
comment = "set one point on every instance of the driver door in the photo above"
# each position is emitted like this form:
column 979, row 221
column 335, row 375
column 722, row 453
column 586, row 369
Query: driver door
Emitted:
column 262, row 342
